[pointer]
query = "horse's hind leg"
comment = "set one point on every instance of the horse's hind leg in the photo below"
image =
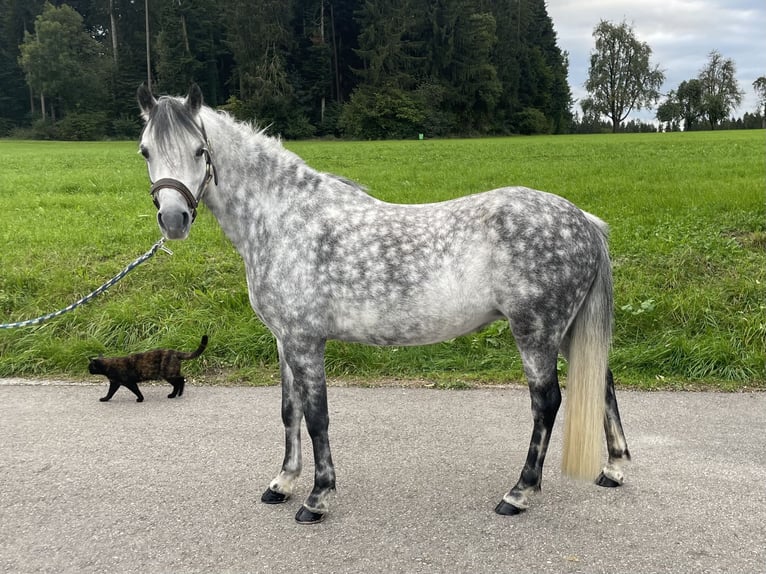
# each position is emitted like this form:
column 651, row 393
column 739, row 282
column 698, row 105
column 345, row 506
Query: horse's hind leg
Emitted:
column 540, row 369
column 613, row 475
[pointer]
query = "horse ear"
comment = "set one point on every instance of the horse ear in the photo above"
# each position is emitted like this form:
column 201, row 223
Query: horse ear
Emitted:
column 146, row 100
column 194, row 99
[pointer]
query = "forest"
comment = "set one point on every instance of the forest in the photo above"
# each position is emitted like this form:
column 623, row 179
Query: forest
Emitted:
column 355, row 69
column 307, row 68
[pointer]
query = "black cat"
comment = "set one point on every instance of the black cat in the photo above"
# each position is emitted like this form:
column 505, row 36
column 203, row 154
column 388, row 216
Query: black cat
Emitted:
column 129, row 371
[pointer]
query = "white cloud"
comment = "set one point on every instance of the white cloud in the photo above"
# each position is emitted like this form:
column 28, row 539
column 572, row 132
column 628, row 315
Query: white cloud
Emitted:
column 681, row 34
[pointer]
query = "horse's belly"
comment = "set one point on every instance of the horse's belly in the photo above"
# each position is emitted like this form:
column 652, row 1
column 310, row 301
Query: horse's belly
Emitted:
column 407, row 333
column 420, row 319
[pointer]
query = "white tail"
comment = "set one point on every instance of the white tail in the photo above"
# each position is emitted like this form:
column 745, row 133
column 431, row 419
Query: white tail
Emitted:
column 591, row 335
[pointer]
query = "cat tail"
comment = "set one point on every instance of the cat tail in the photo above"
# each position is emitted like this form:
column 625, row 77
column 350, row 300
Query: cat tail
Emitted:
column 198, row 352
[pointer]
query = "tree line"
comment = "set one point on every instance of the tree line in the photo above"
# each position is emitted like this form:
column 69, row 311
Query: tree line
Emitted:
column 356, row 68
column 367, row 69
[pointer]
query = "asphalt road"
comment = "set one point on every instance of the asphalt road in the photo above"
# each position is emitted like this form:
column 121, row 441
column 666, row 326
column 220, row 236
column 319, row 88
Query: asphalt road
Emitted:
column 173, row 485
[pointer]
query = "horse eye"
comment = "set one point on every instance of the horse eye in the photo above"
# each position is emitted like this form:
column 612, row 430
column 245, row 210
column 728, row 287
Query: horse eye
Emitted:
column 200, row 151
column 144, row 152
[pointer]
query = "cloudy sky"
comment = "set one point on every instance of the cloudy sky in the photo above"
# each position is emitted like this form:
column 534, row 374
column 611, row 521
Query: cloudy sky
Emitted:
column 681, row 34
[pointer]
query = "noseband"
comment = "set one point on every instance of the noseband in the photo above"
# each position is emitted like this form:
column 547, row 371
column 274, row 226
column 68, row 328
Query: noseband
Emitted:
column 192, row 201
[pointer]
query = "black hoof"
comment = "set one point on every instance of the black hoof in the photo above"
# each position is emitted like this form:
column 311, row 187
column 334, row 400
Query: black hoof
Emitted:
column 271, row 497
column 141, row 400
column 171, row 396
column 305, row 516
column 103, row 399
column 604, row 480
column 506, row 509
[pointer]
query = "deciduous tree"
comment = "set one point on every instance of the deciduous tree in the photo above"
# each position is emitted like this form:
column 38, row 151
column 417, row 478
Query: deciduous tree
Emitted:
column 61, row 61
column 690, row 102
column 621, row 78
column 759, row 85
column 720, row 90
column 669, row 111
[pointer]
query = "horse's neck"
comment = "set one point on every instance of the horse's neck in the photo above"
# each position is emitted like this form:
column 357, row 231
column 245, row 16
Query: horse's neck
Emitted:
column 255, row 174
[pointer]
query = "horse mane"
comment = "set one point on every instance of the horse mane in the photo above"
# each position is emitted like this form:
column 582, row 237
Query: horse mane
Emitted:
column 349, row 182
column 252, row 132
column 170, row 115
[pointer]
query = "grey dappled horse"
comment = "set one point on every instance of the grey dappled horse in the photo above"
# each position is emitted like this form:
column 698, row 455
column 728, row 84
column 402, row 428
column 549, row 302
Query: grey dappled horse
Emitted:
column 325, row 260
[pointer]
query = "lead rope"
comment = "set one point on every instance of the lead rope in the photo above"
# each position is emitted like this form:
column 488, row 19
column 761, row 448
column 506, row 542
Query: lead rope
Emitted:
column 154, row 248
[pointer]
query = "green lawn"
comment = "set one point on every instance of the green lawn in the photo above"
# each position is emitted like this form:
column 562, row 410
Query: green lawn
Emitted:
column 688, row 246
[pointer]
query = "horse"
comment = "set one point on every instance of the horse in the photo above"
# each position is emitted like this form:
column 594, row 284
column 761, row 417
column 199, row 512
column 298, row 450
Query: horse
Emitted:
column 325, row 260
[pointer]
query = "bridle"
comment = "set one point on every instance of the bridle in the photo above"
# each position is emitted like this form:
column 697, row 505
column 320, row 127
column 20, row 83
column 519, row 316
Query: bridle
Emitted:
column 192, row 201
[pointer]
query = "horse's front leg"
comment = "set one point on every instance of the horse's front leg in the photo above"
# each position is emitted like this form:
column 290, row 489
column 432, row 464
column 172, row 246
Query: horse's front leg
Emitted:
column 304, row 366
column 282, row 486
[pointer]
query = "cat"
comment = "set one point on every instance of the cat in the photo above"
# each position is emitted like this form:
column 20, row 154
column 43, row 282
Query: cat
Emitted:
column 129, row 371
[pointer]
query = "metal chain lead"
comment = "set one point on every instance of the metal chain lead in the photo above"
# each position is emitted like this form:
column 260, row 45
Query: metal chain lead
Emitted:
column 93, row 294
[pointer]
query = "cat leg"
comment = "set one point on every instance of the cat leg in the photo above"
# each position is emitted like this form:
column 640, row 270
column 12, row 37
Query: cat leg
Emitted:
column 178, row 386
column 113, row 386
column 134, row 387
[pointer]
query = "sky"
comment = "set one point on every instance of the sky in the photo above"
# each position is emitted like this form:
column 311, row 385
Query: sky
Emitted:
column 681, row 34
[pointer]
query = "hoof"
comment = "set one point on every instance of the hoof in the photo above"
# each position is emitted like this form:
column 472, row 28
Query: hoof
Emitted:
column 272, row 497
column 506, row 509
column 305, row 516
column 103, row 399
column 604, row 480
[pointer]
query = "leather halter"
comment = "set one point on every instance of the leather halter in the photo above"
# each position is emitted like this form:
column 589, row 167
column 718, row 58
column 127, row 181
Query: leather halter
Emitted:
column 192, row 201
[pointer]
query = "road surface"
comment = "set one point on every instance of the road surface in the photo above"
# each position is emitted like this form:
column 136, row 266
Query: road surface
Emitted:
column 174, row 485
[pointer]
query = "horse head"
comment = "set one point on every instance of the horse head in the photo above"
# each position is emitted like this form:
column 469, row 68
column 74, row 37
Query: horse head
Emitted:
column 177, row 153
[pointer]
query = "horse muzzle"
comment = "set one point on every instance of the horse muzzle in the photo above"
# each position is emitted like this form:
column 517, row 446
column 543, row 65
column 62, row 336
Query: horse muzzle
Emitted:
column 174, row 216
column 176, row 208
column 174, row 223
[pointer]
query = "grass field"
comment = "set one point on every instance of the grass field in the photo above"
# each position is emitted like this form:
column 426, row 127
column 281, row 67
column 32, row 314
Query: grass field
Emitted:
column 688, row 246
